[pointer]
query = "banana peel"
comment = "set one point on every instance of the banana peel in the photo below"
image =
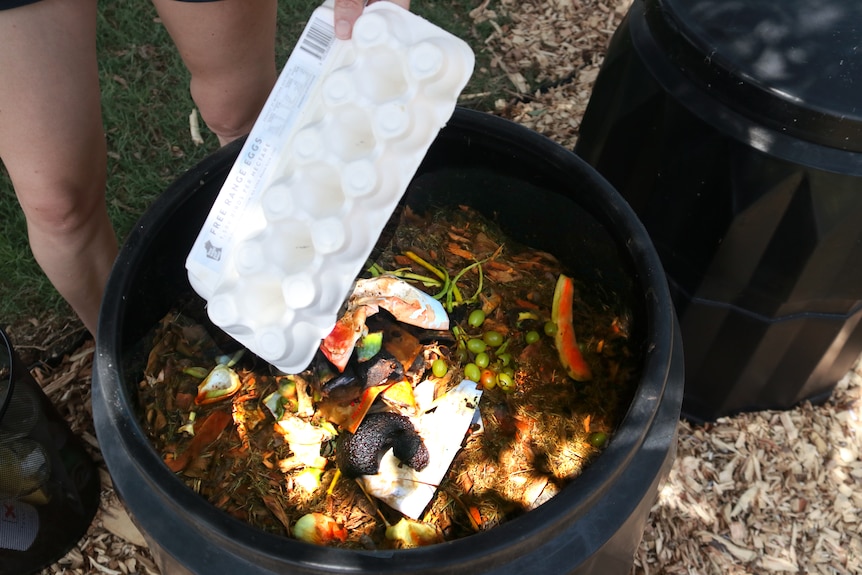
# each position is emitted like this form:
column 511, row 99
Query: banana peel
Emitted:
column 564, row 336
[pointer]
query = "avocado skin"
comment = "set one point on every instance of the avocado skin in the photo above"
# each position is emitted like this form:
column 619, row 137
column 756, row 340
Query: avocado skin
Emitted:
column 360, row 453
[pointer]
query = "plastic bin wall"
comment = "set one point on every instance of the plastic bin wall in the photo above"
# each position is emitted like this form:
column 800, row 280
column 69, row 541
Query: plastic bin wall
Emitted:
column 758, row 228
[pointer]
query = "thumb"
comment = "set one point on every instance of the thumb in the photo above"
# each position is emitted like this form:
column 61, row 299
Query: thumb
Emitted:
column 346, row 13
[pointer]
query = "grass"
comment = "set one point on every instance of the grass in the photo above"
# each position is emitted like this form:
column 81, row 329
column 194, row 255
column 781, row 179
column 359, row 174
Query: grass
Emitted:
column 146, row 105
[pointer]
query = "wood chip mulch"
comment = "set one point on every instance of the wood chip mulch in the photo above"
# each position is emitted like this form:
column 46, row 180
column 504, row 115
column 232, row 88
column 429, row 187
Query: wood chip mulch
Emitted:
column 765, row 492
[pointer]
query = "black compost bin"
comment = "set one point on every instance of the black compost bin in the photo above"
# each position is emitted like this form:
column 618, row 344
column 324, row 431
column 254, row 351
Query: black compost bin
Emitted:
column 49, row 485
column 542, row 195
column 734, row 129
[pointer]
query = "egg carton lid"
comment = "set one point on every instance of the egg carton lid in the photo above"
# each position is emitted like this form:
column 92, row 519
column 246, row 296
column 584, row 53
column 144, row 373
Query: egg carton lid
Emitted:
column 273, row 262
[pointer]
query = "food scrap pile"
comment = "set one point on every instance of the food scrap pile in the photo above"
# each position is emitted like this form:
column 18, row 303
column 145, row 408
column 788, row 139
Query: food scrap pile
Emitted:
column 468, row 381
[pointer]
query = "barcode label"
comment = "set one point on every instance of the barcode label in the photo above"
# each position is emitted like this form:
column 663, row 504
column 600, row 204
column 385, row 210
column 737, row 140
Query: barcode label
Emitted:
column 318, row 38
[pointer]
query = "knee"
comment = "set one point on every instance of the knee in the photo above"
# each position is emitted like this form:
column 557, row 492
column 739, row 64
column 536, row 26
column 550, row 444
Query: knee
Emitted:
column 226, row 122
column 62, row 209
column 60, row 196
column 230, row 112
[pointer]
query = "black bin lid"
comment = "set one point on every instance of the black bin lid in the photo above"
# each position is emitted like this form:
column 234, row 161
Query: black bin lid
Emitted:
column 792, row 65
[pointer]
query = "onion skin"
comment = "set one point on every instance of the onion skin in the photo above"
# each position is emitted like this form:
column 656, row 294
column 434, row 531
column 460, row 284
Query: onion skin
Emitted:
column 221, row 383
column 564, row 336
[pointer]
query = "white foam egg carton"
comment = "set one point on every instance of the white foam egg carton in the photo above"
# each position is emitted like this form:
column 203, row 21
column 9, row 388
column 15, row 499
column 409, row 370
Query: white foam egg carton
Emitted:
column 336, row 144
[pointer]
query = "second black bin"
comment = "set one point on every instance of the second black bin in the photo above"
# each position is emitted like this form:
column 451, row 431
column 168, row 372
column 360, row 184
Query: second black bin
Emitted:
column 734, row 129
column 542, row 195
column 49, row 484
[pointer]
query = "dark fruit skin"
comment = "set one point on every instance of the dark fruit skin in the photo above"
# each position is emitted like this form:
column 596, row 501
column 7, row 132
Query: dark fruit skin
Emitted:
column 360, row 453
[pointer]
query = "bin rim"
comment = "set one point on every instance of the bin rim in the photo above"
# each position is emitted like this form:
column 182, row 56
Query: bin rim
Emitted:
column 504, row 543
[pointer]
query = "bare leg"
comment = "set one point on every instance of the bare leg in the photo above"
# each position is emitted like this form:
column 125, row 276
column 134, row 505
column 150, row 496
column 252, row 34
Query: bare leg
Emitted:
column 52, row 143
column 229, row 48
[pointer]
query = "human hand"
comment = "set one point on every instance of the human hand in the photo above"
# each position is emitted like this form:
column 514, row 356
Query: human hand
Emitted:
column 347, row 11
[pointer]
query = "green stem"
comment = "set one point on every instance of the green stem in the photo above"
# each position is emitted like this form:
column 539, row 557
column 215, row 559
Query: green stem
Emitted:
column 431, row 268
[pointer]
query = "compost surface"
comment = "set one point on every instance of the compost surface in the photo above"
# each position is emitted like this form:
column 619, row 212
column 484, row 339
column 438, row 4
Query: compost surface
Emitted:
column 536, row 427
column 764, row 492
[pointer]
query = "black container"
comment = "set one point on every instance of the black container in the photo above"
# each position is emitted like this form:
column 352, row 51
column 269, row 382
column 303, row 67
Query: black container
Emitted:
column 548, row 198
column 49, row 485
column 734, row 131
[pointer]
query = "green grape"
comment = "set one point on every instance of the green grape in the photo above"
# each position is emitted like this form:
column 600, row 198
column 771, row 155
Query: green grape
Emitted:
column 472, row 372
column 598, row 439
column 493, row 338
column 476, row 345
column 476, row 318
column 506, row 382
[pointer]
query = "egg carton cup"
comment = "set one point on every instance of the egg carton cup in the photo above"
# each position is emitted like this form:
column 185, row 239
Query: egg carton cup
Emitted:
column 334, row 149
